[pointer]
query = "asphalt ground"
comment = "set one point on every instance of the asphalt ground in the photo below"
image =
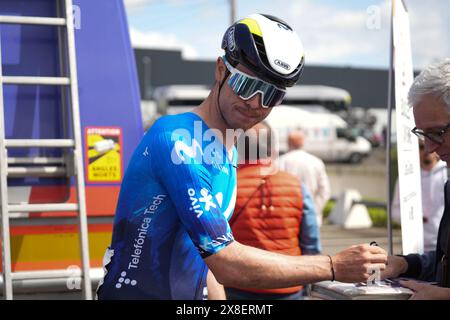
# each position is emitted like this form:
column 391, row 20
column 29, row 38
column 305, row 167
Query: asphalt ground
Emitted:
column 334, row 238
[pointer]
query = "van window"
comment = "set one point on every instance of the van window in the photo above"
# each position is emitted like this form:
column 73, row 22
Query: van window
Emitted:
column 184, row 102
column 347, row 134
column 341, row 133
column 330, row 105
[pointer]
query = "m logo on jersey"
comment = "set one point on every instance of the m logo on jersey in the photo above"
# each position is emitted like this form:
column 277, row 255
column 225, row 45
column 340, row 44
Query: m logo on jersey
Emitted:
column 182, row 151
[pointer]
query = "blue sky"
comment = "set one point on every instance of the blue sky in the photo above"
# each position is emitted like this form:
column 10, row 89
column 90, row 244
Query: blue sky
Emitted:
column 344, row 33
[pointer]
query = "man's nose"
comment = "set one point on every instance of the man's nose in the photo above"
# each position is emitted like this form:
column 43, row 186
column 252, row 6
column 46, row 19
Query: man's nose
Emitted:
column 430, row 146
column 255, row 101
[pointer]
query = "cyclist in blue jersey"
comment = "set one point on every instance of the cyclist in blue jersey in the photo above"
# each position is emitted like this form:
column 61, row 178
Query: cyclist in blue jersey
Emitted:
column 171, row 237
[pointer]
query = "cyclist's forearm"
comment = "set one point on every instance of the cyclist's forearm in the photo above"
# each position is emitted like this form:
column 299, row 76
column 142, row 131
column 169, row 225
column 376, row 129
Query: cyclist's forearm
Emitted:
column 247, row 267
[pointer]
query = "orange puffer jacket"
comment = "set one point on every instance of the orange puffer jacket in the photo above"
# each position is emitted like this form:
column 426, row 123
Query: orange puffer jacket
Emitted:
column 268, row 214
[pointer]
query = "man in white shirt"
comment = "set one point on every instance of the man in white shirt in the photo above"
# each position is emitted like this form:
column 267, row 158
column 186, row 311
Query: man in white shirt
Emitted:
column 309, row 169
column 433, row 175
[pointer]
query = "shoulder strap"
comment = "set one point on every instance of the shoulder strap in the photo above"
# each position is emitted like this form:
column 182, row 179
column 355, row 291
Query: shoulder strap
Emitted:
column 235, row 215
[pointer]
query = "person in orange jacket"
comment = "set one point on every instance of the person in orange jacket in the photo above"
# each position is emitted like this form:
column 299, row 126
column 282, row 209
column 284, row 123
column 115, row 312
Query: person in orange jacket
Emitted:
column 274, row 211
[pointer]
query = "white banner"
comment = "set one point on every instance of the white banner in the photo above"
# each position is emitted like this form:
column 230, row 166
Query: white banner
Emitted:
column 407, row 143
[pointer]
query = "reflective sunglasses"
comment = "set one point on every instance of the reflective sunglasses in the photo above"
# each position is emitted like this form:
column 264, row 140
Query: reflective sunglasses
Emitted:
column 246, row 86
column 435, row 136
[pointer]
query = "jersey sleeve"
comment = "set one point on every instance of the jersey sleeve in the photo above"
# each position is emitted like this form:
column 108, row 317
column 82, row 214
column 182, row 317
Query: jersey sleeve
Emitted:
column 178, row 165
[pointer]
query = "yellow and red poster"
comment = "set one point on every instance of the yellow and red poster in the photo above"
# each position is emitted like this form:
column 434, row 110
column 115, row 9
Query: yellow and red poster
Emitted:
column 103, row 154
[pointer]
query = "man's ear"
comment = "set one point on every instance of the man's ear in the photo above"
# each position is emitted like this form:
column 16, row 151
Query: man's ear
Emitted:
column 220, row 69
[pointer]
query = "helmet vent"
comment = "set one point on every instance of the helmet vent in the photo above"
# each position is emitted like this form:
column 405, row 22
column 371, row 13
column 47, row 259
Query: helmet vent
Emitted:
column 261, row 49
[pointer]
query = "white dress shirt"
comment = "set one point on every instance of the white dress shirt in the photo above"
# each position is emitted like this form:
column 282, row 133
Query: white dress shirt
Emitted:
column 433, row 202
column 311, row 171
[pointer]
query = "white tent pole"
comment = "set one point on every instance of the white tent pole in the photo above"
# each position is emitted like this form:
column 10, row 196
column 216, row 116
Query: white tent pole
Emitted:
column 388, row 137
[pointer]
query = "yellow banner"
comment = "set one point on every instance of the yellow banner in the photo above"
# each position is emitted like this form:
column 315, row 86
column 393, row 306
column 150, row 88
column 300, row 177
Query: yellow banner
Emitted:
column 104, row 154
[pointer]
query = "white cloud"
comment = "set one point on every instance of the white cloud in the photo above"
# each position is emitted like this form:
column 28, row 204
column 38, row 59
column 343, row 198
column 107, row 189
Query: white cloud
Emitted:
column 336, row 33
column 332, row 35
column 130, row 4
column 157, row 40
column 430, row 31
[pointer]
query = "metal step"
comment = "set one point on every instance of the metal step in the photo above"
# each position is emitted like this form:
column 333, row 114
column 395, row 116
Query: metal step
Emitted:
column 43, row 207
column 44, row 143
column 45, row 172
column 30, row 80
column 46, row 281
column 45, row 21
column 35, row 160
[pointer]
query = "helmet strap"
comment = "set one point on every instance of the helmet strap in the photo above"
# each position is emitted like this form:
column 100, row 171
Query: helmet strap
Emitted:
column 227, row 73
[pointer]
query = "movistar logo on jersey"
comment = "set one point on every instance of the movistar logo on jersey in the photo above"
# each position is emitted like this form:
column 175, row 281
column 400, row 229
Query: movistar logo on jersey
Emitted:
column 185, row 152
column 204, row 148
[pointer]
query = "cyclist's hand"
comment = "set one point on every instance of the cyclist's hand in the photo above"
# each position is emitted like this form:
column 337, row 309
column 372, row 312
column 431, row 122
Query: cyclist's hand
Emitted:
column 357, row 263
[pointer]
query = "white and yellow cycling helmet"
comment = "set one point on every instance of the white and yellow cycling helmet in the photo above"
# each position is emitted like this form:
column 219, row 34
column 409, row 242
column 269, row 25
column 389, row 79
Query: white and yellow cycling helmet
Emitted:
column 268, row 47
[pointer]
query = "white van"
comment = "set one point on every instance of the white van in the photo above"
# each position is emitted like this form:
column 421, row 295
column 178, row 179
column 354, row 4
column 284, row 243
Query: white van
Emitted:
column 172, row 99
column 327, row 135
column 338, row 101
column 176, row 99
column 310, row 96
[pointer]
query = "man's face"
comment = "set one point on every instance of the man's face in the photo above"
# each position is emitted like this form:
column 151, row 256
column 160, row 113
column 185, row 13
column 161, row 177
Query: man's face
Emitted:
column 431, row 115
column 427, row 160
column 239, row 113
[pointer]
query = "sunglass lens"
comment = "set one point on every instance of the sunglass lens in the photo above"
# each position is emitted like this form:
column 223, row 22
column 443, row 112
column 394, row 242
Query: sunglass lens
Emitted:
column 273, row 97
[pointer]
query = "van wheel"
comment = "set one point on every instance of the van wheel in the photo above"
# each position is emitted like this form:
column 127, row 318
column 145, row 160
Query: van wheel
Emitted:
column 355, row 158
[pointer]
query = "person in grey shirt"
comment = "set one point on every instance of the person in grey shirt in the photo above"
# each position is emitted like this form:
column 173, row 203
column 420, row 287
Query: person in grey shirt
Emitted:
column 309, row 169
column 433, row 176
column 429, row 96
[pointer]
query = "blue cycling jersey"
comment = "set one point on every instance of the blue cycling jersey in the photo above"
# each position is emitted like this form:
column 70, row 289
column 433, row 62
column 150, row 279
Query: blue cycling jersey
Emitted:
column 175, row 201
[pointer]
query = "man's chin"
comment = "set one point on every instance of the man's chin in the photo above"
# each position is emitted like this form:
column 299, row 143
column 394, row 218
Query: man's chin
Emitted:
column 243, row 125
